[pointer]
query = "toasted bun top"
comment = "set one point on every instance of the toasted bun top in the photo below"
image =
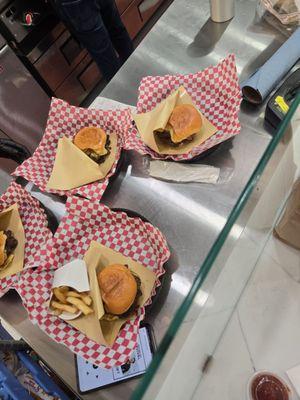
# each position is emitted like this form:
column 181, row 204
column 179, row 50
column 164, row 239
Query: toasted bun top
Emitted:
column 185, row 121
column 118, row 288
column 2, row 248
column 90, row 138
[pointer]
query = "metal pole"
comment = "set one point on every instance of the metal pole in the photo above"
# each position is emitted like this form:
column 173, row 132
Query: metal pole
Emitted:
column 221, row 10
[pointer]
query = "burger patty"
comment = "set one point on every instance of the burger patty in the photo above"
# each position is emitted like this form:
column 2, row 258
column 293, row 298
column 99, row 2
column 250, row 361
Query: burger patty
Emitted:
column 95, row 156
column 11, row 242
column 165, row 137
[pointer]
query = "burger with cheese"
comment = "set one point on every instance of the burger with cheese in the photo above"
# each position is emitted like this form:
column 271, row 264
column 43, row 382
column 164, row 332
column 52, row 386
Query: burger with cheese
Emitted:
column 94, row 142
column 120, row 291
column 184, row 122
column 8, row 244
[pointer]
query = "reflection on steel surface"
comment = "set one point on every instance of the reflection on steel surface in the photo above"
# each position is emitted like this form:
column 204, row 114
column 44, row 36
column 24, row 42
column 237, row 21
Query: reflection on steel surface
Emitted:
column 197, row 210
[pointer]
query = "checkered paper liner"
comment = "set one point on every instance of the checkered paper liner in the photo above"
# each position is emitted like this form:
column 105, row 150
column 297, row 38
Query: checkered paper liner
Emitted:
column 86, row 221
column 35, row 223
column 215, row 91
column 67, row 120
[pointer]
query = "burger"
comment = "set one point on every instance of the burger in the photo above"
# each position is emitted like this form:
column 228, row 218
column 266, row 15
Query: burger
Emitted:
column 120, row 291
column 94, row 142
column 184, row 122
column 8, row 244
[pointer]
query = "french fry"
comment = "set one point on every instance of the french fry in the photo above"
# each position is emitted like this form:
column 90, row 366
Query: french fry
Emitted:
column 87, row 300
column 57, row 312
column 64, row 289
column 72, row 293
column 58, row 293
column 63, row 307
column 84, row 296
column 80, row 305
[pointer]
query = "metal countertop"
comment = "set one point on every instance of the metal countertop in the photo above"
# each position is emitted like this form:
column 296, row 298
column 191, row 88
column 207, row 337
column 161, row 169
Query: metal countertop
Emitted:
column 190, row 215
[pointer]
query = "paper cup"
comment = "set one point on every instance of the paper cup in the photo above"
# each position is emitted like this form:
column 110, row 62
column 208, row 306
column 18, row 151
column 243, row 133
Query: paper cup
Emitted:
column 282, row 381
column 68, row 316
column 74, row 274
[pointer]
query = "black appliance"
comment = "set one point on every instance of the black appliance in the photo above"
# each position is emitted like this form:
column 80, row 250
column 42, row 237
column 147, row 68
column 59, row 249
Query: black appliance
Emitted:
column 281, row 100
column 24, row 104
column 48, row 50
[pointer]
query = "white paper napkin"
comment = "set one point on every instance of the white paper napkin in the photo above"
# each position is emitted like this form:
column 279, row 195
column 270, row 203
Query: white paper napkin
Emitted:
column 176, row 172
column 74, row 274
column 109, row 104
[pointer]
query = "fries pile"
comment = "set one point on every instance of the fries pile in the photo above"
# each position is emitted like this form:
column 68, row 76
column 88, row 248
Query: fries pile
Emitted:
column 69, row 300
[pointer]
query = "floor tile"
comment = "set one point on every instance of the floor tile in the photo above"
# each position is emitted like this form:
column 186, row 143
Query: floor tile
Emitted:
column 269, row 313
column 286, row 256
column 230, row 369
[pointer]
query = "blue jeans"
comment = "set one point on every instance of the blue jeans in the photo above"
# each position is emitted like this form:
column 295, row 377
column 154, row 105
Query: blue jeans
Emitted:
column 99, row 28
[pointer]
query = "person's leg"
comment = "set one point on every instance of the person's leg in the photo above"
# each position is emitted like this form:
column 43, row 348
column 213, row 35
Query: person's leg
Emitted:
column 116, row 29
column 87, row 25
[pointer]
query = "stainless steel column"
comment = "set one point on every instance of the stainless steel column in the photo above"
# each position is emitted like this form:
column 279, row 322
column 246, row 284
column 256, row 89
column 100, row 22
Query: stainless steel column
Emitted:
column 221, row 10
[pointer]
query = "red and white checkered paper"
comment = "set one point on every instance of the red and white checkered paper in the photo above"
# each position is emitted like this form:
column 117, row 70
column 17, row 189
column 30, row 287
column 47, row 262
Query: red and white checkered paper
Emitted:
column 67, row 120
column 215, row 91
column 35, row 224
column 86, row 221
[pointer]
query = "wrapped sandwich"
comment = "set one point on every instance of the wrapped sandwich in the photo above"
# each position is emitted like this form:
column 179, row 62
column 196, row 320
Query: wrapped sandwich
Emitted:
column 119, row 287
column 94, row 142
column 12, row 242
column 184, row 122
column 87, row 157
column 174, row 126
column 8, row 244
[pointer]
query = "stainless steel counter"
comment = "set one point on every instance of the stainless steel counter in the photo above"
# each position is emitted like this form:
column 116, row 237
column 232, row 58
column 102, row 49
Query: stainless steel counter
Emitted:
column 190, row 215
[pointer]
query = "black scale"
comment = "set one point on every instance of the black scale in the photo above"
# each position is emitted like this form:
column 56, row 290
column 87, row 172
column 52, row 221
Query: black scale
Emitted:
column 279, row 103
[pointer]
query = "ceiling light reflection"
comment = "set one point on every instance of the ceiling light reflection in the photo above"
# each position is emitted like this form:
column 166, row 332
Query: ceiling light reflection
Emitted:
column 183, row 286
column 189, row 206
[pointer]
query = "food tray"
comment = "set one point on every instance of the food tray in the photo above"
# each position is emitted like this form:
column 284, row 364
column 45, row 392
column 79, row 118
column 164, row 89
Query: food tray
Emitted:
column 67, row 120
column 215, row 91
column 86, row 221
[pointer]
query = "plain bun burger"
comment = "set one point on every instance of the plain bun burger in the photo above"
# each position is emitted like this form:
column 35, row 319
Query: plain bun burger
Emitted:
column 94, row 142
column 120, row 290
column 184, row 122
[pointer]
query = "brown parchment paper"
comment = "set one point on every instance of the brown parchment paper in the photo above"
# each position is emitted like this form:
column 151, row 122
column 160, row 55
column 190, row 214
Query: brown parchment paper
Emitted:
column 73, row 168
column 10, row 219
column 288, row 228
column 156, row 119
column 97, row 258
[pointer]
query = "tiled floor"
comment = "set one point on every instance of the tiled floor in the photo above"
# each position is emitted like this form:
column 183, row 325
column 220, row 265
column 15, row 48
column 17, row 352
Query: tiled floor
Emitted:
column 264, row 331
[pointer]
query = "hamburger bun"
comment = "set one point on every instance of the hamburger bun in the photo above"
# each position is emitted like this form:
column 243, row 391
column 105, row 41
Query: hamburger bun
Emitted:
column 3, row 255
column 91, row 138
column 118, row 288
column 184, row 121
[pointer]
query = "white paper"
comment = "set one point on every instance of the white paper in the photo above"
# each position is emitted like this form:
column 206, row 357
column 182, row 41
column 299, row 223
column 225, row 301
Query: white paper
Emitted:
column 74, row 275
column 92, row 377
column 294, row 376
column 173, row 171
column 109, row 104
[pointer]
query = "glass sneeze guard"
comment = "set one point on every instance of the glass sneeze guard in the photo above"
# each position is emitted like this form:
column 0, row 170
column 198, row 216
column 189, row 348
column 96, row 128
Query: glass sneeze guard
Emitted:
column 218, row 284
